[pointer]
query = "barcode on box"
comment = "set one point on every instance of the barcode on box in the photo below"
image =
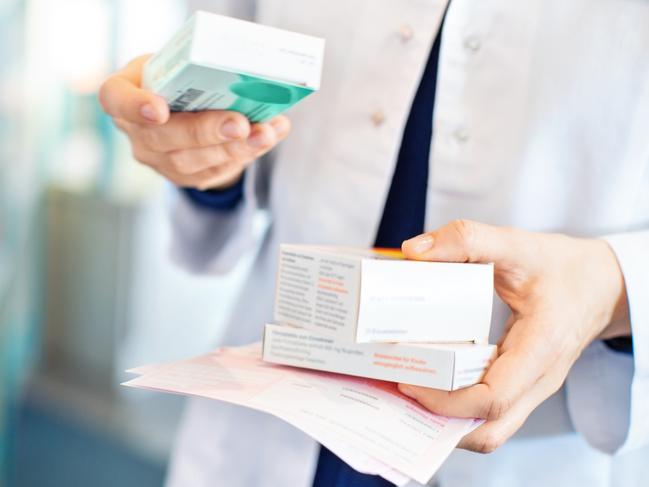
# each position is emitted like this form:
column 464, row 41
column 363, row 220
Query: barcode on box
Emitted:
column 181, row 103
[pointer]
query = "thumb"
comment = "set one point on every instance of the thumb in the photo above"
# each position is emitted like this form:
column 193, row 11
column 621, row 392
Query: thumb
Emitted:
column 122, row 97
column 463, row 241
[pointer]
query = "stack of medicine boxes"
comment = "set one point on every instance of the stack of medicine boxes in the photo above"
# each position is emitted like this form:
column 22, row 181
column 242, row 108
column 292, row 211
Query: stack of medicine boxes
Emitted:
column 370, row 313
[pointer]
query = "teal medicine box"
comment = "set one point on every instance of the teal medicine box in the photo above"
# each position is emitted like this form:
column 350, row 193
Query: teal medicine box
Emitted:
column 221, row 63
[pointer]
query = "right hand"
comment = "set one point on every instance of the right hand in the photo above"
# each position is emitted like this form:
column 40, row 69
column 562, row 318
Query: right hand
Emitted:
column 204, row 150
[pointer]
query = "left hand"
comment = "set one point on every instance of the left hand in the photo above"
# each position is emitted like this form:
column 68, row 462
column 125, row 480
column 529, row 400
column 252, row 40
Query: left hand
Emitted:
column 563, row 293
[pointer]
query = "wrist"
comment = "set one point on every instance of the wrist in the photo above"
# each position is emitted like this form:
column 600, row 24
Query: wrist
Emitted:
column 230, row 183
column 223, row 199
column 225, row 184
column 615, row 311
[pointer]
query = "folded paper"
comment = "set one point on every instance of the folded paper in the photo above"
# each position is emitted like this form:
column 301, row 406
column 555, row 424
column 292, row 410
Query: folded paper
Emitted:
column 368, row 423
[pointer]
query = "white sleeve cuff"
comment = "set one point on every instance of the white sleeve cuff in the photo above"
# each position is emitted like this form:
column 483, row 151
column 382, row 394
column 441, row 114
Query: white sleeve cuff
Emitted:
column 210, row 241
column 608, row 391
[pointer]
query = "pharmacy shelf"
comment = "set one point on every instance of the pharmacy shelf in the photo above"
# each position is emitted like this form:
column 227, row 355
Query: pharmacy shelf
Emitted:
column 141, row 421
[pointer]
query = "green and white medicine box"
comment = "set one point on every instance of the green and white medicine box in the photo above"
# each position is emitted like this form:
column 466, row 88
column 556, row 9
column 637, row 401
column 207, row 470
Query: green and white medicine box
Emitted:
column 221, row 63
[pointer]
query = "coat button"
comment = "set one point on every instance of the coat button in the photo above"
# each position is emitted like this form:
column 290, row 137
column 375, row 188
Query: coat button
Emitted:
column 472, row 43
column 378, row 117
column 406, row 33
column 461, row 134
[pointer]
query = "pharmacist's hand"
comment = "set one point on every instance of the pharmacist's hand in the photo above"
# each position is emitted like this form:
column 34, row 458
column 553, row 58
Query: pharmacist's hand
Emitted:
column 563, row 293
column 202, row 150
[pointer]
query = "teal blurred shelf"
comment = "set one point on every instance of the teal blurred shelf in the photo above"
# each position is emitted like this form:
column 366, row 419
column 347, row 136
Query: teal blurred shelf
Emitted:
column 55, row 451
column 80, row 433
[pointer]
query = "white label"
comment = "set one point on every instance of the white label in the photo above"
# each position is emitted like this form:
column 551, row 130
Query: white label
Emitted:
column 424, row 302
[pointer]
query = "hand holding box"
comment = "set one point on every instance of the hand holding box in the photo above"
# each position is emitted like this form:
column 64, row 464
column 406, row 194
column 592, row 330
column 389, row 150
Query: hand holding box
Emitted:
column 221, row 63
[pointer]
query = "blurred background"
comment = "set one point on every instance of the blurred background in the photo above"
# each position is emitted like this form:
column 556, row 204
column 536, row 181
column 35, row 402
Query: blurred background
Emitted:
column 86, row 287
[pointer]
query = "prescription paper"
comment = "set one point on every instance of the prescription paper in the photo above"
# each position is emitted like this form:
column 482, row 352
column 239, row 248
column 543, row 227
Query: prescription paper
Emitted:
column 366, row 422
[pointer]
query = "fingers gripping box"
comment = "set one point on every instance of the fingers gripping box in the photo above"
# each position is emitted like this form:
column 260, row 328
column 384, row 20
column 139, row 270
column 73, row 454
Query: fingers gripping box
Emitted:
column 221, row 63
column 440, row 366
column 358, row 295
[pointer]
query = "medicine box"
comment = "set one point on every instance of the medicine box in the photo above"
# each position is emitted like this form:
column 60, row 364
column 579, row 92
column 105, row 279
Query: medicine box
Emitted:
column 217, row 62
column 361, row 295
column 439, row 366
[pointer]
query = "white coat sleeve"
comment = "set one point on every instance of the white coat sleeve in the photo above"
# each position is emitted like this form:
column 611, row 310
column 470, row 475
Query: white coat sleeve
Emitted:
column 209, row 241
column 243, row 9
column 608, row 391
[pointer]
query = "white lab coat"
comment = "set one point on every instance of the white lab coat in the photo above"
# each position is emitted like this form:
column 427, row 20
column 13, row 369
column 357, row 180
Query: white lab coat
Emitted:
column 541, row 122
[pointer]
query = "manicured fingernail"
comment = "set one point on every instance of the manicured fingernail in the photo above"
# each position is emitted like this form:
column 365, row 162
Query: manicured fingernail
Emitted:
column 258, row 140
column 232, row 130
column 407, row 391
column 421, row 243
column 149, row 112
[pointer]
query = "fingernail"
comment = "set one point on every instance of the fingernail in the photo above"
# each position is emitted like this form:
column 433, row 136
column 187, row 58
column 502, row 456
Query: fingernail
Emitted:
column 407, row 391
column 421, row 243
column 231, row 130
column 279, row 127
column 258, row 141
column 149, row 112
